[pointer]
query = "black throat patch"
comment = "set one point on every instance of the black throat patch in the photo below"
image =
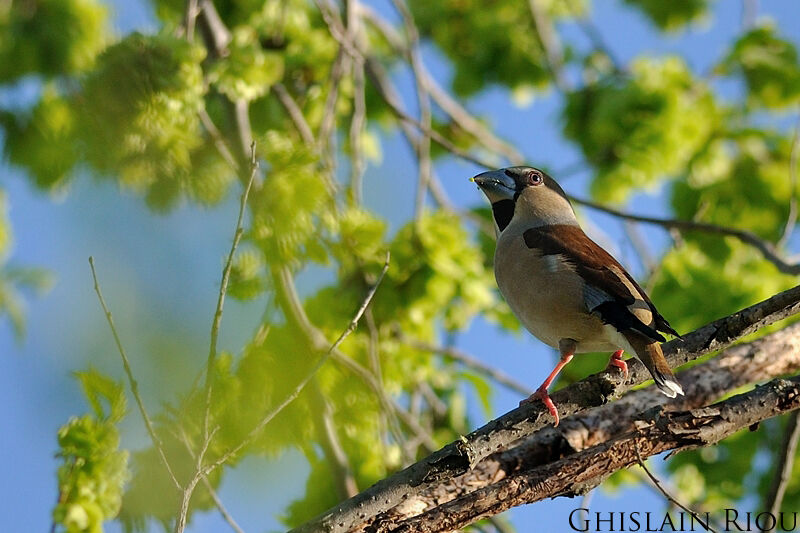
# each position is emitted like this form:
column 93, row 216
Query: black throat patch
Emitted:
column 503, row 213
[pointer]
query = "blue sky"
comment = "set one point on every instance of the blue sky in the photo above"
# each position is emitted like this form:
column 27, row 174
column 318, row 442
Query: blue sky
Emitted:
column 160, row 273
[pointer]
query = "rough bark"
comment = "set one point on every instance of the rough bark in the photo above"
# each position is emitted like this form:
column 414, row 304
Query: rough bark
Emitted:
column 656, row 432
column 775, row 355
column 459, row 457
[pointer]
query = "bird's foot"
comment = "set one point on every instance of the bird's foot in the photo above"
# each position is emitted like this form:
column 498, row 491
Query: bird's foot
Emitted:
column 616, row 360
column 541, row 394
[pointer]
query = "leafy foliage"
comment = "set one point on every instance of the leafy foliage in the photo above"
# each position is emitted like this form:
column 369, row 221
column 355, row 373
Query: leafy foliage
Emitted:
column 94, row 470
column 50, row 37
column 13, row 278
column 638, row 131
column 506, row 31
column 769, row 67
column 168, row 116
column 672, row 15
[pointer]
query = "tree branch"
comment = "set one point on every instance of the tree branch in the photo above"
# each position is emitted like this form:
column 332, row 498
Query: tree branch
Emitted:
column 670, row 498
column 461, row 456
column 132, row 381
column 783, row 470
column 656, row 433
column 767, row 249
column 471, row 362
column 223, row 289
column 772, row 356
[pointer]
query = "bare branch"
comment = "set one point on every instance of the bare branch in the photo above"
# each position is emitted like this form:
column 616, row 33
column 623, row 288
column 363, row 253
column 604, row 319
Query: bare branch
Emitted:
column 666, row 494
column 226, row 515
column 656, row 433
column 132, row 381
column 189, row 15
column 783, row 469
column 461, row 456
column 423, row 102
column 340, row 65
column 294, row 113
column 550, row 43
column 767, row 249
column 375, row 74
column 791, row 220
column 199, row 474
column 471, row 362
column 358, row 120
column 749, row 13
column 463, row 118
column 219, row 141
column 223, row 289
column 774, row 355
column 345, row 481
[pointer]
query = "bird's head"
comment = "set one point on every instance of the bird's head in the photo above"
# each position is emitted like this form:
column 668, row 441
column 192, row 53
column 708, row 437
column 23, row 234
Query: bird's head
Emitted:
column 525, row 195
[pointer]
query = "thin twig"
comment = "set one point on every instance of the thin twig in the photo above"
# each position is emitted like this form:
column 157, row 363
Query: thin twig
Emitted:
column 640, row 247
column 378, row 79
column 199, row 474
column 389, row 404
column 423, row 103
column 219, row 141
column 295, row 113
column 783, row 469
column 189, row 16
column 300, row 386
column 132, row 381
column 345, row 480
column 666, row 494
column 303, row 128
column 791, row 220
column 223, row 288
column 749, row 14
column 471, row 362
column 550, row 43
column 358, row 120
column 767, row 249
column 340, row 66
column 461, row 117
column 226, row 515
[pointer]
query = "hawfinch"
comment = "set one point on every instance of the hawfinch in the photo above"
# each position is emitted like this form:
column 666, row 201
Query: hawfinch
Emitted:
column 564, row 288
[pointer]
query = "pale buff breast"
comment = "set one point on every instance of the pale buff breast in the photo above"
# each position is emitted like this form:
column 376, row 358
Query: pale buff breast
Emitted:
column 547, row 296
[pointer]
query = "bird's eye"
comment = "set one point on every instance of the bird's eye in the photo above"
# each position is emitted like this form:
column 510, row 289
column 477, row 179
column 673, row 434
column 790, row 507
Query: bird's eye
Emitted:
column 535, row 177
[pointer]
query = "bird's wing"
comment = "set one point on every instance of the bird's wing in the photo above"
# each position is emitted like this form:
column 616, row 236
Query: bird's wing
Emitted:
column 610, row 290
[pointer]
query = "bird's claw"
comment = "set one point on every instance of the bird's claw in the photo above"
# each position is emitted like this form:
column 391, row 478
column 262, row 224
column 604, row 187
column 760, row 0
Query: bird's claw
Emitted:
column 616, row 361
column 541, row 394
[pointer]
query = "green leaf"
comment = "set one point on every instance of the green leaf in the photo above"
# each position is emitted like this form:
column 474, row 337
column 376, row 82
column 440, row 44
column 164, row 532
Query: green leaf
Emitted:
column 674, row 14
column 637, row 132
column 94, row 470
column 50, row 37
column 99, row 388
column 769, row 67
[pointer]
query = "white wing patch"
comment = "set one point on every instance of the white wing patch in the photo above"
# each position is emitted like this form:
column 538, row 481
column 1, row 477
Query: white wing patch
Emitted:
column 593, row 296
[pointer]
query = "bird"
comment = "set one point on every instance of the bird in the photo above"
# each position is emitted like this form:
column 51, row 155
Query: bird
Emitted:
column 564, row 288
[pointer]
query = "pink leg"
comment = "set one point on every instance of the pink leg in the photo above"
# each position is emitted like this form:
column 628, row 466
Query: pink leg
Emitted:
column 567, row 349
column 616, row 360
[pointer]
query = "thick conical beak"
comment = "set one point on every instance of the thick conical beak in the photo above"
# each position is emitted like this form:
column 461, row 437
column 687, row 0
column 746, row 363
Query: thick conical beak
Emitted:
column 496, row 185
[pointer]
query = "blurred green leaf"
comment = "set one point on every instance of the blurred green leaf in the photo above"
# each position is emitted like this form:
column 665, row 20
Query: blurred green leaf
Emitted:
column 94, row 470
column 674, row 14
column 769, row 66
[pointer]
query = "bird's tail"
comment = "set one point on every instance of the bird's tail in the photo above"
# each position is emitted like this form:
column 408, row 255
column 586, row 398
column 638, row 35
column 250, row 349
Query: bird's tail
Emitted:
column 653, row 358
